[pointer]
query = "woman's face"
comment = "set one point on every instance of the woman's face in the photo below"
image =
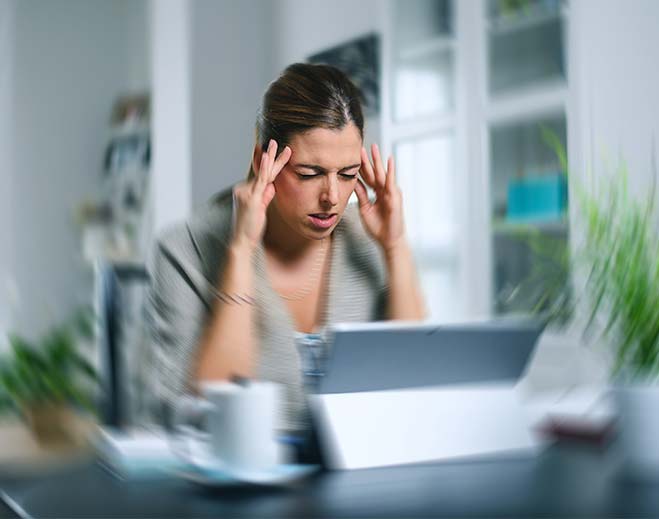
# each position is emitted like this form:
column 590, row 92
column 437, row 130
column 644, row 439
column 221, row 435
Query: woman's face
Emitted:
column 313, row 188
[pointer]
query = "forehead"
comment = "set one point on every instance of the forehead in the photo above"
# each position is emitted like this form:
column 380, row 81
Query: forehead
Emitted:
column 324, row 147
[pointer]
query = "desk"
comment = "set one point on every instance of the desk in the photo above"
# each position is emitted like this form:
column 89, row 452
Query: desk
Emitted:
column 565, row 480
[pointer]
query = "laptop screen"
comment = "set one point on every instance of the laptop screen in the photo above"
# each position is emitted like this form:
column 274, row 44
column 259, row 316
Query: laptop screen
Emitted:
column 380, row 356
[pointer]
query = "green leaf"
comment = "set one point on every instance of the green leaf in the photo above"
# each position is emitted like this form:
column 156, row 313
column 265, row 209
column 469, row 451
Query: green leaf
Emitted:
column 554, row 142
column 620, row 255
column 49, row 370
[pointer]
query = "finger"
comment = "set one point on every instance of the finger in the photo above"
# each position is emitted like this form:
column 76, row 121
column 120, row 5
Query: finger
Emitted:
column 261, row 177
column 264, row 168
column 379, row 168
column 268, row 194
column 281, row 161
column 391, row 174
column 261, row 181
column 367, row 169
column 362, row 194
column 272, row 153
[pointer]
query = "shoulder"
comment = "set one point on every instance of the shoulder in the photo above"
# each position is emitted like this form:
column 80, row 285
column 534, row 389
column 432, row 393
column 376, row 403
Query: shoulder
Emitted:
column 202, row 235
column 213, row 219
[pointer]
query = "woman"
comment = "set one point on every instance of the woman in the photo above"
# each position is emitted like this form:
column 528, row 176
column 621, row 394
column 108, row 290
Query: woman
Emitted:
column 241, row 287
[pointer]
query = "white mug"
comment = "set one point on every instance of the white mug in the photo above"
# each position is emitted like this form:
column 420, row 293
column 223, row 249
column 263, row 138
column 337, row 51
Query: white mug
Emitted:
column 239, row 425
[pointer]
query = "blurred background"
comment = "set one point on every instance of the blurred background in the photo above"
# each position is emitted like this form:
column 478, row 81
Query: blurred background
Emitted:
column 118, row 117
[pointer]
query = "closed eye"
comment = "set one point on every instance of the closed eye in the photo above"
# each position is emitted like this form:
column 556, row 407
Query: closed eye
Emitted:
column 344, row 173
column 345, row 176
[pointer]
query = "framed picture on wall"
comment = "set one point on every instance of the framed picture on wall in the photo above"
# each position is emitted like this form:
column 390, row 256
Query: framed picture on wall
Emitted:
column 360, row 60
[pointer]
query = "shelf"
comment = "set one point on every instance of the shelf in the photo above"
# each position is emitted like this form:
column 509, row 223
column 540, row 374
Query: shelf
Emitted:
column 423, row 49
column 525, row 51
column 541, row 99
column 500, row 226
column 536, row 16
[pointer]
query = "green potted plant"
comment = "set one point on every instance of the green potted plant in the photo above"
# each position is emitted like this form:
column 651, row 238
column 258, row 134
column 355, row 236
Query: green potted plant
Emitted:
column 617, row 261
column 622, row 251
column 45, row 382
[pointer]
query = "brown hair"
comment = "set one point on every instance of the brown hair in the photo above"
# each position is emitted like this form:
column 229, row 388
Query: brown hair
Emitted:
column 307, row 96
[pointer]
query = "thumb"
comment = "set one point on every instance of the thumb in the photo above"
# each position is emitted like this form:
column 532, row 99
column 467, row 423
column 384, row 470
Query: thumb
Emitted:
column 362, row 195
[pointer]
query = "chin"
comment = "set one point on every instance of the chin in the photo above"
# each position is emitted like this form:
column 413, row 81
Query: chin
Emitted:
column 318, row 234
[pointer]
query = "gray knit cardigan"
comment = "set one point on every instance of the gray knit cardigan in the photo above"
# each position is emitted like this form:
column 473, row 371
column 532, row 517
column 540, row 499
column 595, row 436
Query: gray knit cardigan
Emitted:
column 184, row 269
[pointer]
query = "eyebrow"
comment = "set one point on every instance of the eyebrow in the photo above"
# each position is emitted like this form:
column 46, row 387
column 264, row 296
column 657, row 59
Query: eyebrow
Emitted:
column 319, row 169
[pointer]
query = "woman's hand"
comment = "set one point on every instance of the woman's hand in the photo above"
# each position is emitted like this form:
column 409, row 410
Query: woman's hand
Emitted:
column 252, row 198
column 383, row 218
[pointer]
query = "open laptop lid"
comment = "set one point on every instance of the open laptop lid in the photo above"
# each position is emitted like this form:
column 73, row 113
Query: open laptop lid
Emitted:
column 389, row 355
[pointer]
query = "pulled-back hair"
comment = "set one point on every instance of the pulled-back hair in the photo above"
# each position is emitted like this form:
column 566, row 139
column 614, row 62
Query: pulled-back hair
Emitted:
column 307, row 96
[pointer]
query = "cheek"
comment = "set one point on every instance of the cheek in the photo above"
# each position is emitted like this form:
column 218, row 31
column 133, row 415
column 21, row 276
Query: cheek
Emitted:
column 289, row 192
column 347, row 189
column 283, row 186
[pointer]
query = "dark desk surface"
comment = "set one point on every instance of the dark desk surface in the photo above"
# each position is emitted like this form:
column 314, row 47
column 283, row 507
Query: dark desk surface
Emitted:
column 565, row 480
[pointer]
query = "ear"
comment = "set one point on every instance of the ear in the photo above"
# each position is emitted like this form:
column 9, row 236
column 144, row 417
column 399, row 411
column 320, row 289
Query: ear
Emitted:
column 256, row 157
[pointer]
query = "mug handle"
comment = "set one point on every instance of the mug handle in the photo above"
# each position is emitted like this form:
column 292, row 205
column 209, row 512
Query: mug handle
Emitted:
column 191, row 444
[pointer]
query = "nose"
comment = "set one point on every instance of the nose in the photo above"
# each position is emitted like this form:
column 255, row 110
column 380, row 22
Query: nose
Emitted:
column 330, row 194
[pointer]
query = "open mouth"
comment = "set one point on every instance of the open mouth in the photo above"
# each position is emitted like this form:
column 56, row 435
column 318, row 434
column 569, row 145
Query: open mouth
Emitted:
column 323, row 220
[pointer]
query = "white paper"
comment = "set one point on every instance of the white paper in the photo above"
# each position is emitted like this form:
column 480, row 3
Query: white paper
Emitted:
column 380, row 428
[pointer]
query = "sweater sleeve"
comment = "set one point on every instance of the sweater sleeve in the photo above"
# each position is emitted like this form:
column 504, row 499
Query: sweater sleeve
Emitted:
column 381, row 283
column 177, row 308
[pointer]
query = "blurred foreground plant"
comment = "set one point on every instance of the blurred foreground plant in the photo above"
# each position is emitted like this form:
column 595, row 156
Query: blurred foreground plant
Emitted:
column 51, row 372
column 619, row 256
column 622, row 251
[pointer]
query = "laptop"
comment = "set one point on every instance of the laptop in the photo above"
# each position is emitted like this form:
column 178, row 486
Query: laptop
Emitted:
column 388, row 355
column 395, row 393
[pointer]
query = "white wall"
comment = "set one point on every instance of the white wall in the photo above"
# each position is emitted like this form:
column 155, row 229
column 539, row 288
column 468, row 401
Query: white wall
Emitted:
column 615, row 51
column 71, row 61
column 232, row 56
column 310, row 26
column 137, row 76
column 6, row 146
column 170, row 72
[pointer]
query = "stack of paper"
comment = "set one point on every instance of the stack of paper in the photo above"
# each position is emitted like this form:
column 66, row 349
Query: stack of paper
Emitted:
column 580, row 412
column 137, row 453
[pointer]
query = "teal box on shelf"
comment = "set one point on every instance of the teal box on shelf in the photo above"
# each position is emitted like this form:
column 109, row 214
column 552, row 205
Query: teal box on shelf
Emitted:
column 537, row 198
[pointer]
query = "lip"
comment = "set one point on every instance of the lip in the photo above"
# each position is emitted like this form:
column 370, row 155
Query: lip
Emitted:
column 323, row 224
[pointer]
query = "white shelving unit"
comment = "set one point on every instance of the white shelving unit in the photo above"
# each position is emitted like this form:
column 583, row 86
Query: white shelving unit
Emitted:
column 479, row 81
column 526, row 90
